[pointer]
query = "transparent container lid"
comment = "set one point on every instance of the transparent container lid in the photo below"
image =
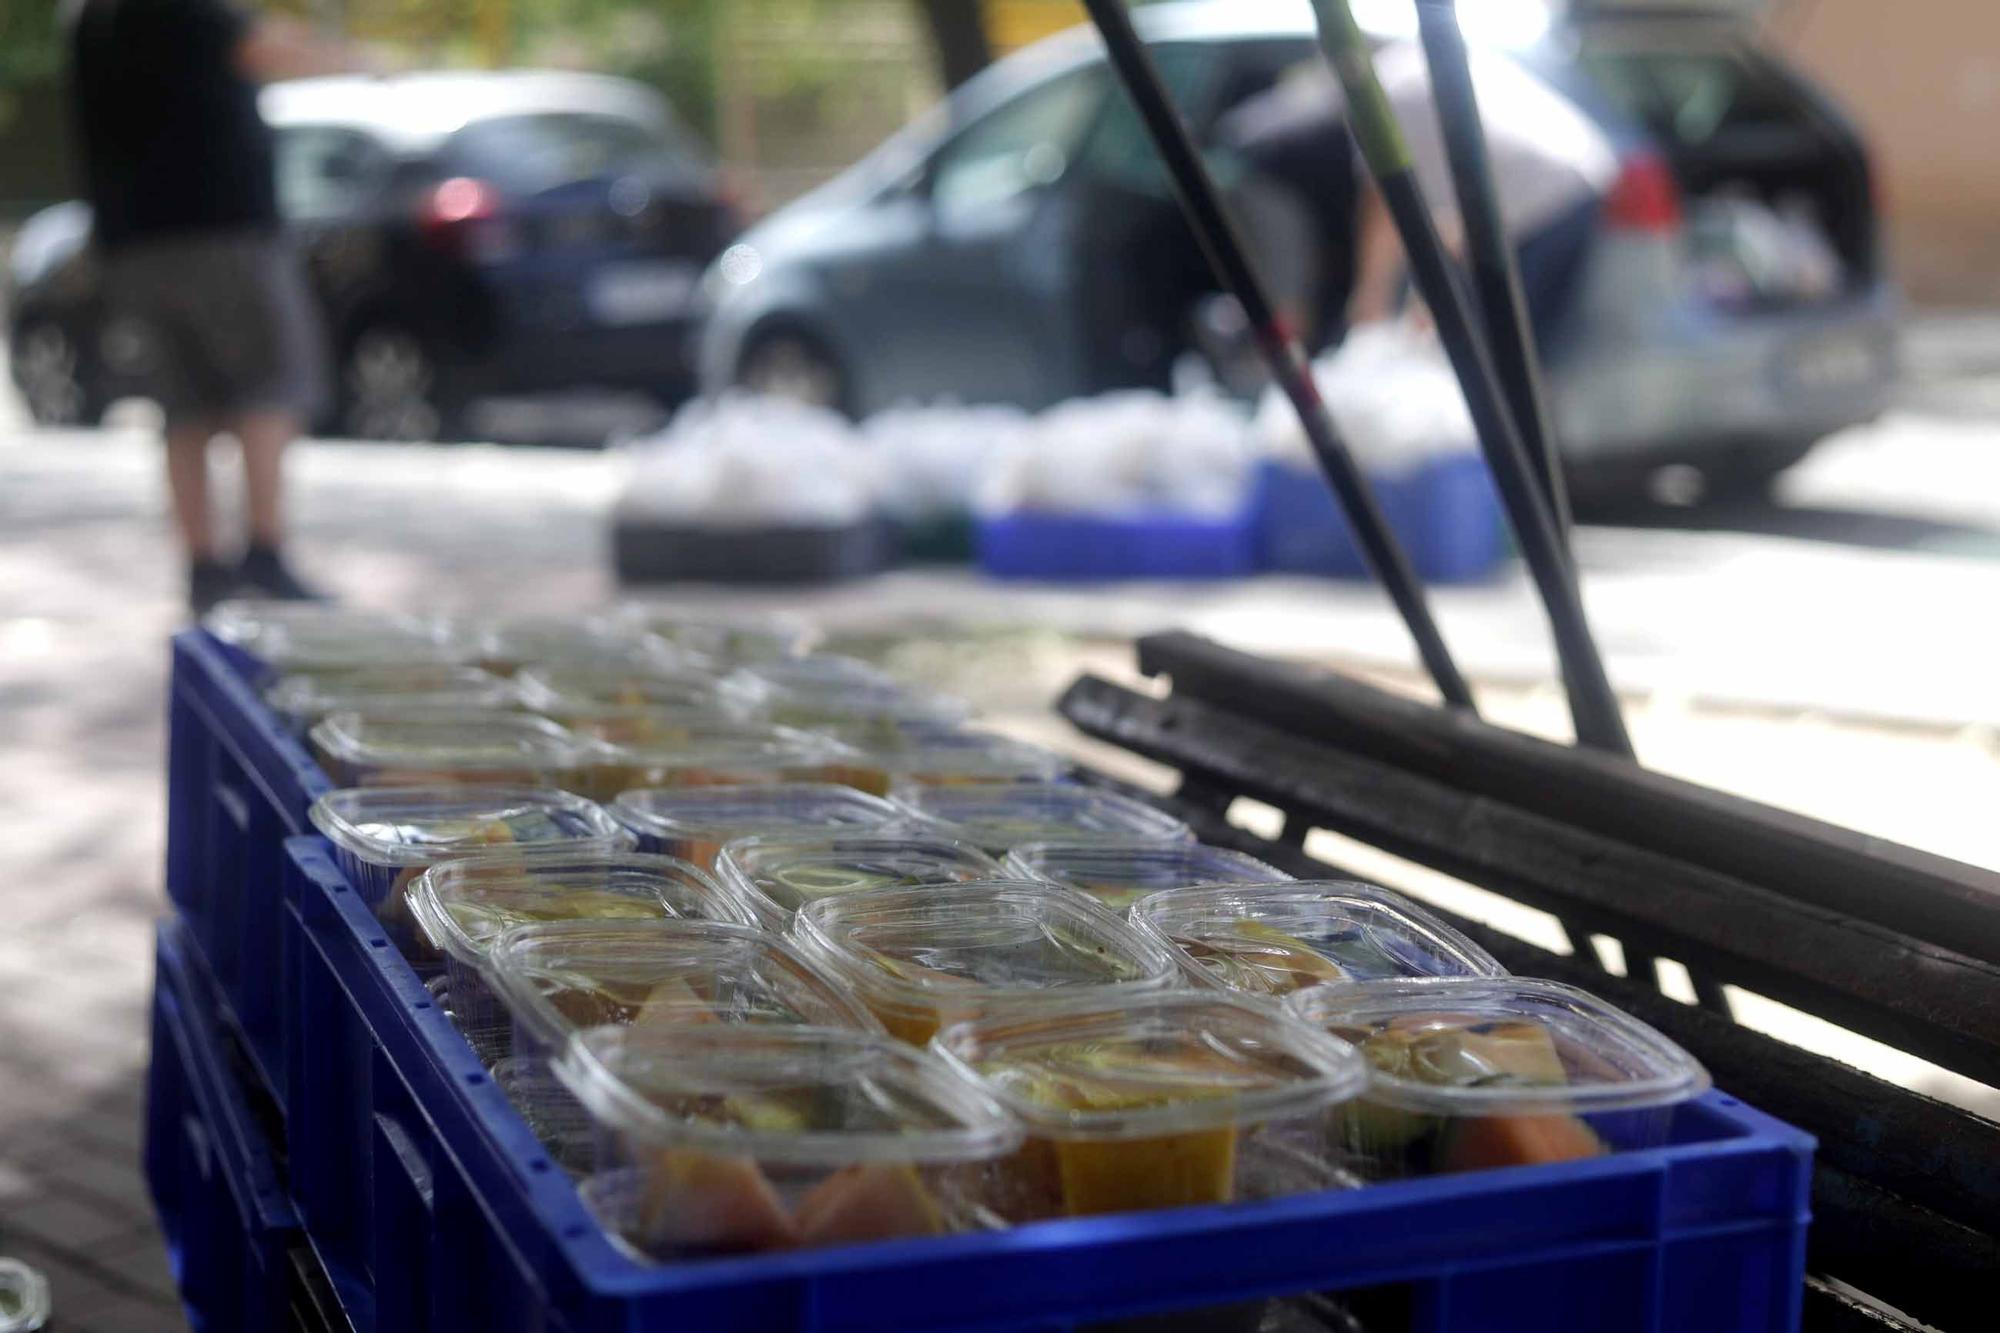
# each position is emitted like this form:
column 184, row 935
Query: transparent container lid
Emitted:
column 1140, row 1066
column 725, row 814
column 886, row 732
column 915, row 948
column 722, row 638
column 974, row 759
column 328, row 638
column 447, row 738
column 414, row 826
column 549, row 688
column 1119, row 874
column 780, row 874
column 1273, row 939
column 1478, row 1046
column 724, row 753
column 314, row 694
column 585, row 640
column 822, row 671
column 1002, row 816
column 463, row 906
column 809, row 1096
column 562, row 977
column 712, row 726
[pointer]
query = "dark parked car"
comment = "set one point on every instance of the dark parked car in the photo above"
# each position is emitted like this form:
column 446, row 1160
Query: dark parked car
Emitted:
column 465, row 234
column 1020, row 244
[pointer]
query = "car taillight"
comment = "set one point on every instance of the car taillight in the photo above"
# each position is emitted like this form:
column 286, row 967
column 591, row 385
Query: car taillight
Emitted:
column 1644, row 197
column 461, row 217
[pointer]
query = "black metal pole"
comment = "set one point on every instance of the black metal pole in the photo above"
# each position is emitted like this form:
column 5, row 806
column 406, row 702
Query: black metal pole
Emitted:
column 1593, row 705
column 1287, row 363
column 1496, row 279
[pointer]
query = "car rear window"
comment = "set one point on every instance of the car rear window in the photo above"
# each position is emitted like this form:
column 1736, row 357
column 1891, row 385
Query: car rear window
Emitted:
column 1689, row 98
column 549, row 148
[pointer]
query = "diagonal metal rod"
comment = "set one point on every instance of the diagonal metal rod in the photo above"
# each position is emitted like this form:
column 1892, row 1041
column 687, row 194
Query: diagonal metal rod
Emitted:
column 1496, row 279
column 1593, row 706
column 1286, row 361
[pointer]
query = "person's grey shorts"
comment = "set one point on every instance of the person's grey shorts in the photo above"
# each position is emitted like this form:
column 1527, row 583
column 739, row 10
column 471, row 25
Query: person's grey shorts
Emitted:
column 228, row 325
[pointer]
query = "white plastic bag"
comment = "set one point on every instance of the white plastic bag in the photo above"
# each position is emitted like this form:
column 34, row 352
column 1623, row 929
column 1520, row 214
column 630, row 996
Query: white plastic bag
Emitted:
column 743, row 461
column 930, row 459
column 1125, row 453
column 1393, row 398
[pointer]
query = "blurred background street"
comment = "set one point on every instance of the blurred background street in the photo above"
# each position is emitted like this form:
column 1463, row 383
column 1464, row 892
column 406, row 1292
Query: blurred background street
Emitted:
column 1819, row 636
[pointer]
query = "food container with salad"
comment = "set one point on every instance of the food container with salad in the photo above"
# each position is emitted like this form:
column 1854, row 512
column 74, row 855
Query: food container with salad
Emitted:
column 998, row 817
column 924, row 958
column 1160, row 1100
column 722, row 1140
column 302, row 698
column 561, row 691
column 384, row 837
column 507, row 644
column 695, row 823
column 720, row 754
column 290, row 637
column 461, row 908
column 559, row 978
column 778, row 874
column 438, row 747
column 1273, row 939
column 726, row 640
column 1472, row 1073
column 1119, row 874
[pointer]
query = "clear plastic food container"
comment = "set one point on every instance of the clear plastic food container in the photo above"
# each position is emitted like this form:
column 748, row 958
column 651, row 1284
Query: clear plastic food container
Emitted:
column 731, row 640
column 1119, row 874
column 320, row 638
column 819, row 689
column 734, row 1140
column 590, row 640
column 407, row 747
column 557, row 690
column 780, row 873
column 1273, row 939
column 964, row 761
column 655, row 725
column 721, row 755
column 304, row 697
column 1472, row 1073
column 1157, row 1101
column 560, row 978
column 924, row 958
column 821, row 671
column 695, row 823
column 1001, row 816
column 384, row 837
column 461, row 909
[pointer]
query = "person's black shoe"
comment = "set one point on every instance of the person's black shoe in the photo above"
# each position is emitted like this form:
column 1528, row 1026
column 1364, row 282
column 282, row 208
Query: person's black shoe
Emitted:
column 264, row 573
column 209, row 582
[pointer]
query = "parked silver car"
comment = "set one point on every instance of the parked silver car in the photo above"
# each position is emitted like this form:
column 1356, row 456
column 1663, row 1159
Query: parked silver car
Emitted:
column 1019, row 244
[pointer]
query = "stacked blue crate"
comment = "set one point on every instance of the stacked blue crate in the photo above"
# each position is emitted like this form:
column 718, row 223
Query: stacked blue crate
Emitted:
column 433, row 1207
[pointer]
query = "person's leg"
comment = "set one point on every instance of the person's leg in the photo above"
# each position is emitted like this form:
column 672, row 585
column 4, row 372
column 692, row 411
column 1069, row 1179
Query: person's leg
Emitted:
column 264, row 435
column 209, row 579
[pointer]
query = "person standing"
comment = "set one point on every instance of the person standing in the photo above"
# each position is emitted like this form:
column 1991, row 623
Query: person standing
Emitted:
column 1551, row 165
column 178, row 169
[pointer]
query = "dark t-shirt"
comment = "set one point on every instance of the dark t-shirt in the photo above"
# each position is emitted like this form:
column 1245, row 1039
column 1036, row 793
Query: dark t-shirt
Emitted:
column 172, row 141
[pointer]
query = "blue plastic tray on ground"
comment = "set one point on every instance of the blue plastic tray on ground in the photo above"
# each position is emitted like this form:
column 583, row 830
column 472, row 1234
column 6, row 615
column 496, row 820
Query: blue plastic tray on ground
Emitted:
column 422, row 1186
column 238, row 785
column 1446, row 513
column 1031, row 545
column 229, row 1227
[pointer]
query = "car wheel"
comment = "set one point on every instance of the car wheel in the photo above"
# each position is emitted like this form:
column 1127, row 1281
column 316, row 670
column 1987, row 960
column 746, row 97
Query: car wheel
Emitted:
column 791, row 365
column 48, row 369
column 1747, row 472
column 391, row 388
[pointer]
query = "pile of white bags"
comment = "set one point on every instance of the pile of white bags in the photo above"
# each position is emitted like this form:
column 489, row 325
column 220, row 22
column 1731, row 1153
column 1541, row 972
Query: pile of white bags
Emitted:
column 1123, row 454
column 746, row 461
column 1393, row 398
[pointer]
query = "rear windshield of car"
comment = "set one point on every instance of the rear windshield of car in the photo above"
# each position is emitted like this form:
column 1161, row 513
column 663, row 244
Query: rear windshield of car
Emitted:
column 1690, row 98
column 544, row 149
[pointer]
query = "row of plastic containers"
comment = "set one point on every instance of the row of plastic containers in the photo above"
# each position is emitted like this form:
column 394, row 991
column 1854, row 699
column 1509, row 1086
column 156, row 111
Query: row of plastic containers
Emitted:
column 840, row 1040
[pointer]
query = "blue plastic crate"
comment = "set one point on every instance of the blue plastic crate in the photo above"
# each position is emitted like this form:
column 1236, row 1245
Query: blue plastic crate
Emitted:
column 238, row 785
column 1446, row 513
column 229, row 1228
column 1075, row 547
column 426, row 1192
